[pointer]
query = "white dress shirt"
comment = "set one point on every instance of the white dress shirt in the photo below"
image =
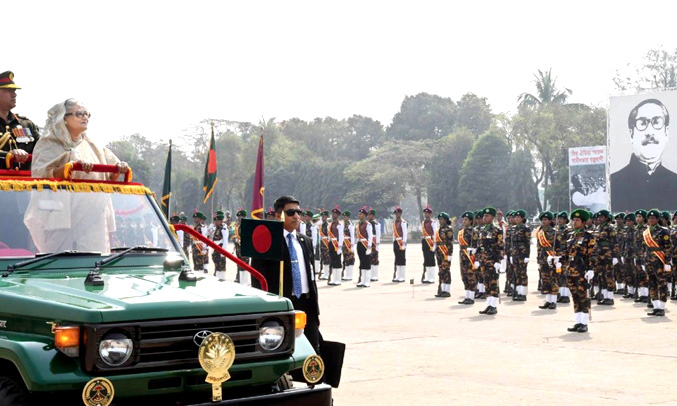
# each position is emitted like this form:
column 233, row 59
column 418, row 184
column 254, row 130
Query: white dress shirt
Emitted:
column 302, row 262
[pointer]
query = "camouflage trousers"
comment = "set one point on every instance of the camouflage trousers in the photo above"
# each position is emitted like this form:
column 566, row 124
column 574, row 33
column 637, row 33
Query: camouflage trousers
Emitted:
column 642, row 277
column 348, row 256
column 219, row 262
column 444, row 268
column 658, row 280
column 324, row 256
column 467, row 272
column 199, row 260
column 520, row 270
column 579, row 290
column 628, row 272
column 490, row 277
column 374, row 257
column 238, row 253
column 605, row 271
column 549, row 278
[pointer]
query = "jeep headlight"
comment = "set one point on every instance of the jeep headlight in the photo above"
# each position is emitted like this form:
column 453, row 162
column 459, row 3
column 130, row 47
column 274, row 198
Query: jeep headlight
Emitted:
column 115, row 349
column 271, row 335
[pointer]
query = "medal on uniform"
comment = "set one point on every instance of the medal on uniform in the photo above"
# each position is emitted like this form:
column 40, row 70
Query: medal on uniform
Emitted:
column 216, row 356
column 22, row 135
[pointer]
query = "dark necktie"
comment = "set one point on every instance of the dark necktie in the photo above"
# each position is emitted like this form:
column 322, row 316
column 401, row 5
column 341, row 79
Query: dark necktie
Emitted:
column 295, row 270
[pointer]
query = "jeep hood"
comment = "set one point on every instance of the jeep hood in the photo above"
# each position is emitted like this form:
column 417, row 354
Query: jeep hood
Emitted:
column 129, row 297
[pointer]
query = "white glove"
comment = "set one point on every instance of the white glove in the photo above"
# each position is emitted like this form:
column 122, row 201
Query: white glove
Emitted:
column 589, row 275
column 497, row 266
column 470, row 250
column 511, row 260
column 668, row 267
column 614, row 262
column 368, row 251
column 550, row 258
column 634, row 261
column 558, row 265
column 378, row 247
column 644, row 268
column 504, row 266
column 526, row 260
column 623, row 260
column 477, row 264
column 404, row 247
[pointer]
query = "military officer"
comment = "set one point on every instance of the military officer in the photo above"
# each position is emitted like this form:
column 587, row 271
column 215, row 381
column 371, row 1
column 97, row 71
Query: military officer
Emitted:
column 185, row 242
column 657, row 262
column 18, row 134
column 198, row 248
column 520, row 250
column 545, row 237
column 428, row 230
column 490, row 256
column 606, row 257
column 444, row 244
column 580, row 246
column 509, row 289
column 620, row 241
column 477, row 226
column 466, row 245
column 219, row 234
column 399, row 245
column 364, row 244
column 323, row 230
column 348, row 247
column 376, row 243
column 563, row 233
column 642, row 276
column 335, row 232
column 244, row 277
column 628, row 256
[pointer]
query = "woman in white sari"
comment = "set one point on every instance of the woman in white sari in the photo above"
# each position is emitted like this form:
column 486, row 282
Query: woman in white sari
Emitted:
column 71, row 220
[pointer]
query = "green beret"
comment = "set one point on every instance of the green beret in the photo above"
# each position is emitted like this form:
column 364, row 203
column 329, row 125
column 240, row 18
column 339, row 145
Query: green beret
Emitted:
column 520, row 212
column 469, row 215
column 175, row 219
column 241, row 213
column 563, row 215
column 183, row 218
column 653, row 212
column 443, row 215
column 309, row 213
column 346, row 213
column 619, row 216
column 325, row 212
column 372, row 211
column 219, row 216
column 545, row 214
column 666, row 215
column 595, row 215
column 589, row 214
column 489, row 210
column 630, row 217
column 316, row 216
column 478, row 214
column 199, row 215
column 640, row 212
column 603, row 212
column 580, row 214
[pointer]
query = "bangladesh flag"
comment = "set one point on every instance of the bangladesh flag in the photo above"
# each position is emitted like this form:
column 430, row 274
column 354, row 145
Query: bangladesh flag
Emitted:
column 262, row 239
column 210, row 169
column 167, row 186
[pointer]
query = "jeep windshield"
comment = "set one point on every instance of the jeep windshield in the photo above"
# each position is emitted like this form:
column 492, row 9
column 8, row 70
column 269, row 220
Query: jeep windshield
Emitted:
column 40, row 216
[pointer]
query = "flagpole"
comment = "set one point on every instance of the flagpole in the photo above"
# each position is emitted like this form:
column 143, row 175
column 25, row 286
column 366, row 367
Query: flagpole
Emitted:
column 169, row 201
column 214, row 189
column 282, row 261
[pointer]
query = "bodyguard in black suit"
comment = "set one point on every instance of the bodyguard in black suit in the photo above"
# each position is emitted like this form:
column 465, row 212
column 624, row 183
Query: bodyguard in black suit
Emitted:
column 298, row 259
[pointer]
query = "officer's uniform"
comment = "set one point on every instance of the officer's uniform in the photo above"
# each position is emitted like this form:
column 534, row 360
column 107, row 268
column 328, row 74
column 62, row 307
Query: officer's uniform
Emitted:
column 348, row 247
column 629, row 257
column 642, row 276
column 510, row 269
column 428, row 230
column 198, row 248
column 335, row 234
column 375, row 245
column 481, row 291
column 444, row 244
column 219, row 234
column 323, row 230
column 17, row 132
column 490, row 256
column 520, row 250
column 657, row 262
column 606, row 256
column 399, row 247
column 466, row 245
column 547, row 263
column 365, row 244
column 619, row 275
column 563, row 234
column 579, row 253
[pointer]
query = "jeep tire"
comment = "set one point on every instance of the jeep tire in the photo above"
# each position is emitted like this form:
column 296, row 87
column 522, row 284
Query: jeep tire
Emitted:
column 12, row 392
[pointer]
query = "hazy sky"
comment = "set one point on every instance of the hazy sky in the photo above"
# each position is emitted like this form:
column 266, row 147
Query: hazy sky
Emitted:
column 156, row 67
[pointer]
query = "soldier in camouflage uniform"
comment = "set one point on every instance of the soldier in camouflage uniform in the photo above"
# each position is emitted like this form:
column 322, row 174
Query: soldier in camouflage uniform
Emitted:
column 185, row 242
column 563, row 234
column 244, row 277
column 480, row 292
column 198, row 248
column 579, row 254
column 509, row 288
column 642, row 276
column 348, row 247
column 628, row 256
column 444, row 249
column 322, row 229
column 520, row 251
column 490, row 256
column 466, row 246
column 546, row 253
column 620, row 240
column 219, row 234
column 606, row 257
column 657, row 262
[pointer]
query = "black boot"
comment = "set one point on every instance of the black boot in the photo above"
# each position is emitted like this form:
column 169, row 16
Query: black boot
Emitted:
column 492, row 310
column 552, row 306
column 583, row 328
column 649, row 305
column 602, row 301
column 607, row 302
column 655, row 312
column 467, row 301
column 565, row 299
column 545, row 305
column 574, row 329
column 443, row 294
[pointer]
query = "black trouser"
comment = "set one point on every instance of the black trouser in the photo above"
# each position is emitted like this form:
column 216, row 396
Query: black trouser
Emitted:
column 428, row 254
column 335, row 258
column 312, row 329
column 365, row 260
column 400, row 255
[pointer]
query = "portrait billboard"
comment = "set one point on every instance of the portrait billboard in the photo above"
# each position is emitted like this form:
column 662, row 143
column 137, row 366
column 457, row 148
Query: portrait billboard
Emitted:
column 642, row 159
column 587, row 178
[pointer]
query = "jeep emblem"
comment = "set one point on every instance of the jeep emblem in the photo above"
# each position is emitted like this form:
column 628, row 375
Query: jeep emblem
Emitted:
column 200, row 336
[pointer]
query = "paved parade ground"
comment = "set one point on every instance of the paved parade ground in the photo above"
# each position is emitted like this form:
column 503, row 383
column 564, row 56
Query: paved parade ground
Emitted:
column 406, row 347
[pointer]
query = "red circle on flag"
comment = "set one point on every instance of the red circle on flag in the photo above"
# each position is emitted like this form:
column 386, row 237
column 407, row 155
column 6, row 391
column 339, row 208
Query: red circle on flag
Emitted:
column 261, row 239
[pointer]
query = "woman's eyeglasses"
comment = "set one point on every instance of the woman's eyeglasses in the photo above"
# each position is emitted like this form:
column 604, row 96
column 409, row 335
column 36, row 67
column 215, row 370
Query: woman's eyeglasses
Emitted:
column 291, row 212
column 79, row 114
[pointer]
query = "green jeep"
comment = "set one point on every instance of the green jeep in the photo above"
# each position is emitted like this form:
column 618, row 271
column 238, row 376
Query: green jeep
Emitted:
column 98, row 305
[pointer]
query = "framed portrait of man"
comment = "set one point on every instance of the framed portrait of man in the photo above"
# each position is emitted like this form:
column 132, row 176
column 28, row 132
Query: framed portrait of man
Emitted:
column 642, row 158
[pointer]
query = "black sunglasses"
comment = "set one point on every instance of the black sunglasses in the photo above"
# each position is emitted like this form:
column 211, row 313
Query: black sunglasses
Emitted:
column 291, row 212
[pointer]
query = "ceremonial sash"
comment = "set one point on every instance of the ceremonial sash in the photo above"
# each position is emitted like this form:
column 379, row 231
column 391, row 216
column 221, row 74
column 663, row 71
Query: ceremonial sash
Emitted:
column 324, row 238
column 441, row 245
column 462, row 241
column 362, row 239
column 333, row 239
column 197, row 243
column 346, row 241
column 428, row 237
column 650, row 242
column 398, row 238
column 543, row 242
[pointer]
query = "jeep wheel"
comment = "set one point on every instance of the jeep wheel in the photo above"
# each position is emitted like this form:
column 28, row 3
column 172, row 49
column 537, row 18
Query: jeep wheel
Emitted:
column 283, row 383
column 12, row 393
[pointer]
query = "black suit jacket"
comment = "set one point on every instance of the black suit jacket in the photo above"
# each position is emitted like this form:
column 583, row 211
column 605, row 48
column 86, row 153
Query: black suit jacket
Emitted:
column 271, row 271
column 633, row 188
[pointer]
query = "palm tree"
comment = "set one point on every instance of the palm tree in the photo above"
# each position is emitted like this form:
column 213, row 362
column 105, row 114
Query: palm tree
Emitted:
column 547, row 92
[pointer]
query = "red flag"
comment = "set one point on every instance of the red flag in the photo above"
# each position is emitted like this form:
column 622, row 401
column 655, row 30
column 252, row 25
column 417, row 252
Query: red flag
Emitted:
column 257, row 192
column 210, row 177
